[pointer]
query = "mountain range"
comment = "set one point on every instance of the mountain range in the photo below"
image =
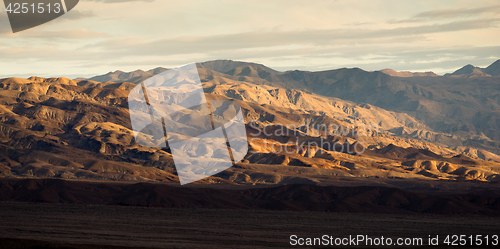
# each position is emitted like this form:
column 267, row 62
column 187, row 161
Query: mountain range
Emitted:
column 456, row 111
column 427, row 128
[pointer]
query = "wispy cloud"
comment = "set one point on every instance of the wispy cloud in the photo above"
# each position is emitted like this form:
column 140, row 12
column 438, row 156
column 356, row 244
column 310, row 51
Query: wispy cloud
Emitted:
column 462, row 12
column 60, row 34
column 120, row 1
column 76, row 14
column 441, row 14
column 250, row 40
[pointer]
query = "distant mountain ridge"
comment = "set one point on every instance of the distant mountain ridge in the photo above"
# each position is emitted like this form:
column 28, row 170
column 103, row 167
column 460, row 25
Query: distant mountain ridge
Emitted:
column 222, row 66
column 133, row 77
column 395, row 73
column 470, row 70
column 241, row 68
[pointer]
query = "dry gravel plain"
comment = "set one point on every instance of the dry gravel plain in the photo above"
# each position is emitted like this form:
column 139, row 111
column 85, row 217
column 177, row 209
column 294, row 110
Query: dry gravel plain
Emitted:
column 38, row 225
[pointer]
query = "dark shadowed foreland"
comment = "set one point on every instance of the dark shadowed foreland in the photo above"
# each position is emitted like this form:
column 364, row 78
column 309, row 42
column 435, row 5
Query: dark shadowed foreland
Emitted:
column 51, row 213
column 482, row 199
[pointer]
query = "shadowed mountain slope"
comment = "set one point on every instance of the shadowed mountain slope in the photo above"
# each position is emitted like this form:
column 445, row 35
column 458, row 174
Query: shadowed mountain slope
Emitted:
column 493, row 69
column 472, row 71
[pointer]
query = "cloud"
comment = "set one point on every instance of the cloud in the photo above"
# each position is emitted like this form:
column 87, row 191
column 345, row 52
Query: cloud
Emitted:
column 440, row 60
column 453, row 13
column 77, row 15
column 306, row 38
column 103, row 36
column 120, row 1
column 371, row 57
column 60, row 34
column 450, row 14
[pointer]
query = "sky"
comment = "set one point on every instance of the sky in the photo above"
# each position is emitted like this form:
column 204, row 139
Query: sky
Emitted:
column 99, row 36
